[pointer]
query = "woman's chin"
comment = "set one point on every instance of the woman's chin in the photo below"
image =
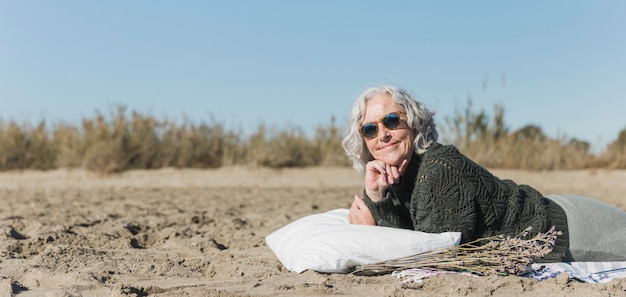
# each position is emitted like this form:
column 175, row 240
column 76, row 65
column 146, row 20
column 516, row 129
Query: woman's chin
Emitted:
column 393, row 161
column 396, row 159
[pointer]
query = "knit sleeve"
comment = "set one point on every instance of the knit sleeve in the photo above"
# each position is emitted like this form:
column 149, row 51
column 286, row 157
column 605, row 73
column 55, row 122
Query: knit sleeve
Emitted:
column 388, row 212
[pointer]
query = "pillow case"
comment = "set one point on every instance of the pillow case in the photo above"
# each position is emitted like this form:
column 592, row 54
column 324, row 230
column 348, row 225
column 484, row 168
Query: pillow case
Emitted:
column 327, row 242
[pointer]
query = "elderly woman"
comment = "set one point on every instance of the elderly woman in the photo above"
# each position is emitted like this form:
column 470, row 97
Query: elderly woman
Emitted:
column 413, row 182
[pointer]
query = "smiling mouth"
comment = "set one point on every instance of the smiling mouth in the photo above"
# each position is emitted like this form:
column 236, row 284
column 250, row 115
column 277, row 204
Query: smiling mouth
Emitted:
column 388, row 145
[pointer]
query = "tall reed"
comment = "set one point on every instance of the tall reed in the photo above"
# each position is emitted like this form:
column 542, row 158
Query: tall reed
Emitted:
column 122, row 140
column 23, row 146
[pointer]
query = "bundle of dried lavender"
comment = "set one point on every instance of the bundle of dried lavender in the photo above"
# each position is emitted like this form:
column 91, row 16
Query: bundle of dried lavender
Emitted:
column 484, row 256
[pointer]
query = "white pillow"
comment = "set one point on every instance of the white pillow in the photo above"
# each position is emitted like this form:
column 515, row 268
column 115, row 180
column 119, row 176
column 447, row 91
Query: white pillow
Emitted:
column 327, row 242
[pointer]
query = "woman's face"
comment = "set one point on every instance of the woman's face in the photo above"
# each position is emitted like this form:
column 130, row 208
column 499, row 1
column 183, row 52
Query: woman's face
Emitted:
column 389, row 146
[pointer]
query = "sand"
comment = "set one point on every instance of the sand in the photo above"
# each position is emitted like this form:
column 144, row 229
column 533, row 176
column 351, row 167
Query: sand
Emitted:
column 201, row 233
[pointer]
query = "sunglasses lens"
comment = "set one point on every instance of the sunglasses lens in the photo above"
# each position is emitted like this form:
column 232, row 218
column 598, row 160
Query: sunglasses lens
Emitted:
column 369, row 130
column 391, row 121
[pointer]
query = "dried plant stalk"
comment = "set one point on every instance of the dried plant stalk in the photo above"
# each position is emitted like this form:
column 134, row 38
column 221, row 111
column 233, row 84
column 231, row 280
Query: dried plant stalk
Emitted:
column 484, row 256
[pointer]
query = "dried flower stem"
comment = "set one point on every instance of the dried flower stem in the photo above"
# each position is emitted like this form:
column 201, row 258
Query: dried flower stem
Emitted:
column 484, row 256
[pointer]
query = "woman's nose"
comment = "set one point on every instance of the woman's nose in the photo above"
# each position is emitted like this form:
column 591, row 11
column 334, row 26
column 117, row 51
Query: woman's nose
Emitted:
column 383, row 132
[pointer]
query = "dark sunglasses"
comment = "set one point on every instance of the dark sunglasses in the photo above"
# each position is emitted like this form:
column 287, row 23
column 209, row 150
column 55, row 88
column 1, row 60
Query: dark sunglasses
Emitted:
column 390, row 121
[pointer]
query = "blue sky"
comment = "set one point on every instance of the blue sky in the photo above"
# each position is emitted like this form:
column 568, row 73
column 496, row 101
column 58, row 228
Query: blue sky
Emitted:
column 557, row 64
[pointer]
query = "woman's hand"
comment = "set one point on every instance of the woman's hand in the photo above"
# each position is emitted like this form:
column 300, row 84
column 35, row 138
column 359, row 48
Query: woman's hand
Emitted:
column 379, row 176
column 359, row 213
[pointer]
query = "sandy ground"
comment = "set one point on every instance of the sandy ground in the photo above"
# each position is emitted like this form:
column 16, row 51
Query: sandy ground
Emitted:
column 201, row 233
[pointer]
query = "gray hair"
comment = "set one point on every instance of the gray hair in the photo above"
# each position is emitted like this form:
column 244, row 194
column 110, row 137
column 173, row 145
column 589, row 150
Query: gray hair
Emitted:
column 419, row 119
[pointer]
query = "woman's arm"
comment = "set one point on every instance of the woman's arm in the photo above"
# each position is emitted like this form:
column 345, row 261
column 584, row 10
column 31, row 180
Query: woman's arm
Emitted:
column 379, row 203
column 389, row 211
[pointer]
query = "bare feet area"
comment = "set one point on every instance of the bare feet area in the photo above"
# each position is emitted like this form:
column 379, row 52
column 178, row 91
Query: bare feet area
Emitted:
column 202, row 233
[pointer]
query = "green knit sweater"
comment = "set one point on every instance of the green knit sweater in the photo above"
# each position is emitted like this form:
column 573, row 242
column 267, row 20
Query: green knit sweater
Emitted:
column 442, row 190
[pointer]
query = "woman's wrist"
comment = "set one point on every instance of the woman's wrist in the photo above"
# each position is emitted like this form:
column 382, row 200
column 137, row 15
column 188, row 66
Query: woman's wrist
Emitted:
column 375, row 196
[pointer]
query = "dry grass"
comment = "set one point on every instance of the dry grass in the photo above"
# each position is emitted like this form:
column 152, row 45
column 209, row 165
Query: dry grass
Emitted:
column 487, row 140
column 494, row 255
column 123, row 140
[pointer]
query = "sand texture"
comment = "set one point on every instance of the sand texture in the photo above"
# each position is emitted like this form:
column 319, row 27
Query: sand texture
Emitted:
column 202, row 233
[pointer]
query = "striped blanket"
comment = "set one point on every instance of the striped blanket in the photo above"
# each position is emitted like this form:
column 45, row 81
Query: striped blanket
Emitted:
column 589, row 272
